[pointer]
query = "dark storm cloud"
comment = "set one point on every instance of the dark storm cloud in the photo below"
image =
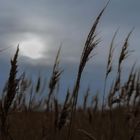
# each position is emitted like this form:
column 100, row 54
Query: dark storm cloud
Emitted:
column 66, row 22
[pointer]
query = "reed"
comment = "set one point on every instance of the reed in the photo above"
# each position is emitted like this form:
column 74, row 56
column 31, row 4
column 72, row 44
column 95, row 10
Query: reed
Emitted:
column 25, row 112
column 54, row 81
column 90, row 44
column 11, row 90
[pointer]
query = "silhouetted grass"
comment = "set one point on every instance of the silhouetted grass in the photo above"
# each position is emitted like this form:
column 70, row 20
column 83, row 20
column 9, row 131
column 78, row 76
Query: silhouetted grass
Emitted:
column 26, row 114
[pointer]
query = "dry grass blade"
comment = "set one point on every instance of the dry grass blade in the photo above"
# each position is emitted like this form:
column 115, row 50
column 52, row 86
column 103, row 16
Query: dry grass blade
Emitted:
column 95, row 102
column 88, row 135
column 91, row 36
column 137, row 88
column 109, row 67
column 111, row 95
column 65, row 111
column 12, row 84
column 56, row 113
column 124, row 52
column 38, row 85
column 31, row 98
column 12, row 87
column 54, row 78
column 90, row 44
column 86, row 99
column 110, row 56
column 123, row 55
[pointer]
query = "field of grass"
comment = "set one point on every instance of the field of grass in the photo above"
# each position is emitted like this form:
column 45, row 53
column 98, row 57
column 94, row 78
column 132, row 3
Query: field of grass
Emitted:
column 25, row 116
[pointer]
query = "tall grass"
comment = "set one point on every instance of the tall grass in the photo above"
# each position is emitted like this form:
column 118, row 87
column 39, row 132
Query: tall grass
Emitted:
column 45, row 117
column 11, row 90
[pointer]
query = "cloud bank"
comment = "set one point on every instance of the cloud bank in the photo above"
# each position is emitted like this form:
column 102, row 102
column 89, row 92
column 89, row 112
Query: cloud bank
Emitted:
column 65, row 22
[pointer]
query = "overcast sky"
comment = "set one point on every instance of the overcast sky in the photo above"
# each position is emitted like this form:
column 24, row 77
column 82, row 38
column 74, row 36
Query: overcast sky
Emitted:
column 40, row 26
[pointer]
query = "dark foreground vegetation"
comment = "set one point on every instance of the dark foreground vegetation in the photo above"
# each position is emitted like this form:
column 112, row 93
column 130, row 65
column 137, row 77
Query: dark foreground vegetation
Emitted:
column 27, row 115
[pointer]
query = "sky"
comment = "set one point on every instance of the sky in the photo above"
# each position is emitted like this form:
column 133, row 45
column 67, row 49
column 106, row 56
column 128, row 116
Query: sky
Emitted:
column 41, row 26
